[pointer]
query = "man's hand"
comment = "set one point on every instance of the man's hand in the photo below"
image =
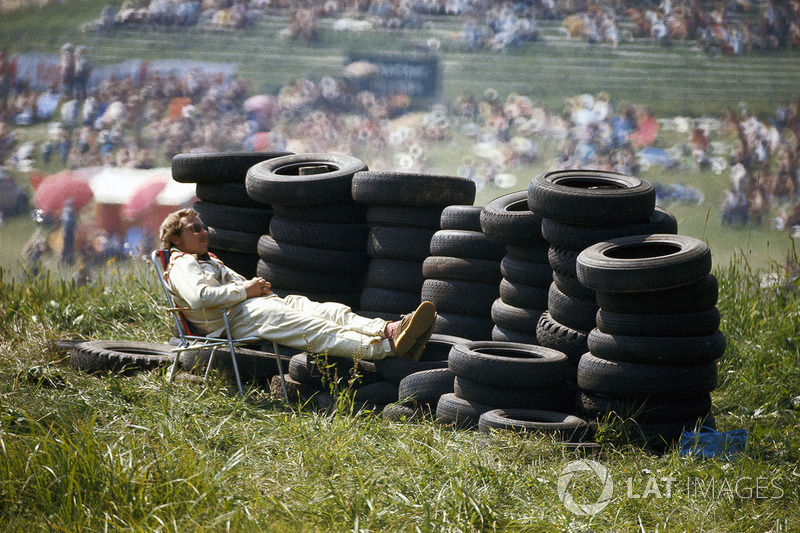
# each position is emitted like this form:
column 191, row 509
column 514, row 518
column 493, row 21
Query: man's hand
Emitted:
column 257, row 287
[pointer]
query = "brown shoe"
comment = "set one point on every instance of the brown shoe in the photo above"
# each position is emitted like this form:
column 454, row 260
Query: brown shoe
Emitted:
column 412, row 327
column 416, row 351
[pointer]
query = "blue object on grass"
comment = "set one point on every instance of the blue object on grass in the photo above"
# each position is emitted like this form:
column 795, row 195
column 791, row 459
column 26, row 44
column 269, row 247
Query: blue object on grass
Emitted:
column 658, row 156
column 712, row 444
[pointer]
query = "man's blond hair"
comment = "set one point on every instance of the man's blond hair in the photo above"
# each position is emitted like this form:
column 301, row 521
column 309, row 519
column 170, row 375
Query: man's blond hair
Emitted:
column 172, row 225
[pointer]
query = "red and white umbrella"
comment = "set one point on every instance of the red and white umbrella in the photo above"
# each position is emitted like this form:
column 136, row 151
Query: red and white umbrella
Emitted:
column 145, row 195
column 54, row 191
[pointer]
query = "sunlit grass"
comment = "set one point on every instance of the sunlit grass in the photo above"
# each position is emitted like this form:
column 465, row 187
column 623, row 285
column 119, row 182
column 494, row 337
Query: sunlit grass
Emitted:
column 84, row 452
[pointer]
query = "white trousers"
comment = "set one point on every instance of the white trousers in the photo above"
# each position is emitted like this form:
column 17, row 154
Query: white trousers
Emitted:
column 322, row 328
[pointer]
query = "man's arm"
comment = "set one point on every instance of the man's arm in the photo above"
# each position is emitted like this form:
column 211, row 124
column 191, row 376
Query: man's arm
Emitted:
column 201, row 290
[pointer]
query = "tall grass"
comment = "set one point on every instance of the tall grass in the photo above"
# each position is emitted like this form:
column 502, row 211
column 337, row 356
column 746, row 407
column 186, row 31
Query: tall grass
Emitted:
column 112, row 452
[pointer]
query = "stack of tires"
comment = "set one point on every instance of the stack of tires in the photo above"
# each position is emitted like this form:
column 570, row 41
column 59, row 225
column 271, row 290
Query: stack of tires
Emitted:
column 462, row 274
column 316, row 244
column 420, row 383
column 403, row 211
column 235, row 221
column 403, row 390
column 652, row 357
column 504, row 375
column 525, row 270
column 579, row 208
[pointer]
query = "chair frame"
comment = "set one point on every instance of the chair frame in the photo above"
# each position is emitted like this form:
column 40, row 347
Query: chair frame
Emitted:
column 192, row 341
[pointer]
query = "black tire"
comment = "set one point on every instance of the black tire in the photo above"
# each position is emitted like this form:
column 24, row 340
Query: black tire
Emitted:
column 532, row 254
column 645, row 409
column 557, row 398
column 463, row 217
column 470, row 327
column 402, row 413
column 460, row 268
column 516, row 318
column 643, row 263
column 620, row 379
column 704, row 322
column 244, row 264
column 326, row 236
column 458, row 296
column 591, row 197
column 339, row 213
column 227, row 193
column 116, row 356
column 574, row 237
column 526, row 272
column 571, row 286
column 458, row 412
column 509, row 220
column 389, row 300
column 246, row 219
column 506, row 364
column 283, row 277
column 312, row 259
column 698, row 296
column 465, row 244
column 282, row 180
column 563, row 261
column 376, row 394
column 657, row 350
column 425, row 387
column 216, row 167
column 316, row 371
column 233, row 241
column 577, row 313
column 509, row 335
column 397, row 242
column 396, row 369
column 414, row 217
column 395, row 274
column 568, row 427
column 553, row 334
column 521, row 295
column 420, row 190
column 434, row 356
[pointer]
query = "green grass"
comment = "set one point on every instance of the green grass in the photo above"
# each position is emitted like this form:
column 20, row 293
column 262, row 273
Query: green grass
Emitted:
column 88, row 453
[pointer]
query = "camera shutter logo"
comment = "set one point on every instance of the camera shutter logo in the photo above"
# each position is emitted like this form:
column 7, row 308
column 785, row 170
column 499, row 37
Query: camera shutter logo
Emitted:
column 585, row 465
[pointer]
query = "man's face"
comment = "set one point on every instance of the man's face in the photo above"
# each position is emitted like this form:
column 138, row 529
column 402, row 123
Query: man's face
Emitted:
column 193, row 236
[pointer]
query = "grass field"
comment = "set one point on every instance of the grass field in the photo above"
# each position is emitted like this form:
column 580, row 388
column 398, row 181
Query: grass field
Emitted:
column 114, row 452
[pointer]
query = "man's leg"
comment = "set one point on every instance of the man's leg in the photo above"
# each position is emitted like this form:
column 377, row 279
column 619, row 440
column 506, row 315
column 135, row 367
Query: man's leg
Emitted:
column 337, row 313
column 272, row 319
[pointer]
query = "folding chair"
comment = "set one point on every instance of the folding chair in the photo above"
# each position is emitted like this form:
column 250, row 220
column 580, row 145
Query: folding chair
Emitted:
column 191, row 338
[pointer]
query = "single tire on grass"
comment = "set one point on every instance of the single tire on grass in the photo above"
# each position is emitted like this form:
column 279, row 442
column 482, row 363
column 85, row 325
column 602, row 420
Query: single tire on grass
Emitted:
column 101, row 355
column 568, row 427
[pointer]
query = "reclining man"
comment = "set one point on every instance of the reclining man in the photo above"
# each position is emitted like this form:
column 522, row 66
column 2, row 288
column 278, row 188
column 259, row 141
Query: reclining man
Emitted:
column 202, row 283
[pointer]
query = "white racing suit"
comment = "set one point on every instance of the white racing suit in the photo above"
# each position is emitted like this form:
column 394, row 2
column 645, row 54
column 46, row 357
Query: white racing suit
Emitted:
column 205, row 285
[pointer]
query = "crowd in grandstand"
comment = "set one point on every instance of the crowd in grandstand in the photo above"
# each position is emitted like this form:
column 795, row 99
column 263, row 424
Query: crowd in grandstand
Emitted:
column 726, row 27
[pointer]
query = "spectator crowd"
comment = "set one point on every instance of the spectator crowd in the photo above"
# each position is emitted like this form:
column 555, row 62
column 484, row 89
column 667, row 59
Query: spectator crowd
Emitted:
column 724, row 26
